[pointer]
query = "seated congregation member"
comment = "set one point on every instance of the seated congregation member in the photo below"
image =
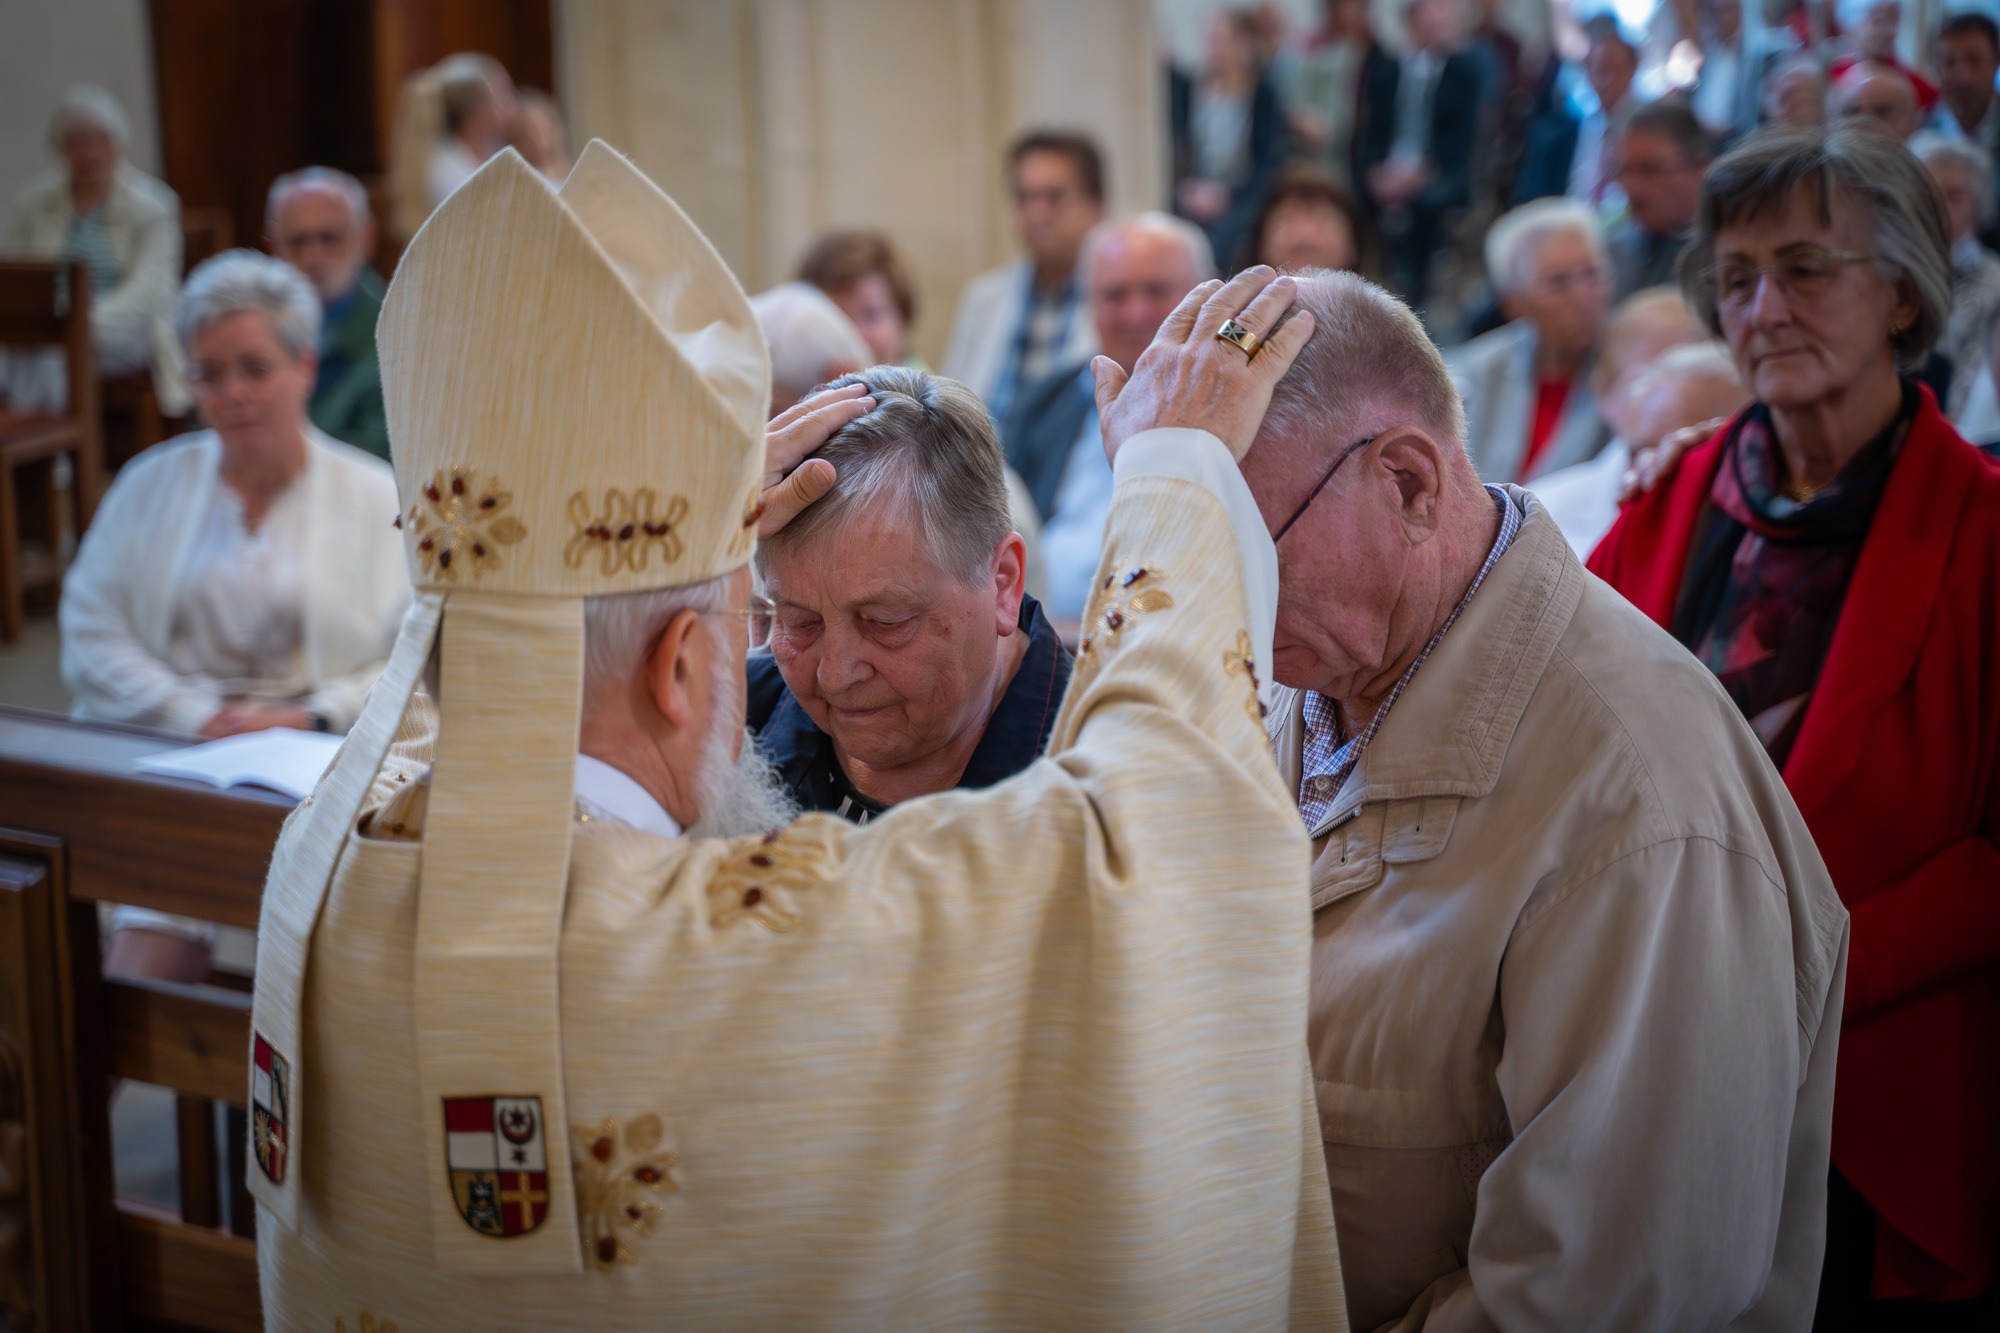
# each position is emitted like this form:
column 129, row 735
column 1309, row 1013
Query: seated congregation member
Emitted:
column 906, row 657
column 1017, row 323
column 240, row 578
column 1529, row 407
column 126, row 228
column 810, row 339
column 538, row 135
column 1309, row 222
column 864, row 274
column 1830, row 555
column 453, row 116
column 1135, row 272
column 1026, row 1056
column 1795, row 94
column 245, row 576
column 1413, row 156
column 1964, row 176
column 1576, row 966
column 1882, row 93
column 1873, row 27
column 318, row 221
column 1683, row 387
column 1661, row 157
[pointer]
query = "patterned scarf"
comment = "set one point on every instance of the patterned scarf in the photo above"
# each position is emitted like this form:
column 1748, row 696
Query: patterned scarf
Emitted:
column 1767, row 575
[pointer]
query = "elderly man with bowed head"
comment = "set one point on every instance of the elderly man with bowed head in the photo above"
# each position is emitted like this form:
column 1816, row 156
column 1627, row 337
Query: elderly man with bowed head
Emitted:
column 126, row 228
column 906, row 656
column 1529, row 408
column 1576, row 967
column 318, row 221
column 1872, row 90
column 1830, row 555
column 243, row 577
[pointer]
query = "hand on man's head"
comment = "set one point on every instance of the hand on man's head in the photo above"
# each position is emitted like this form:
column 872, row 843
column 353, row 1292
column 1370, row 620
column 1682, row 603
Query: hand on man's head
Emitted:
column 794, row 434
column 1190, row 377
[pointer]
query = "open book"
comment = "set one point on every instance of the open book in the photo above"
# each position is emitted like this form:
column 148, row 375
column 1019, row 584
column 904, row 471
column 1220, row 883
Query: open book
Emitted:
column 282, row 759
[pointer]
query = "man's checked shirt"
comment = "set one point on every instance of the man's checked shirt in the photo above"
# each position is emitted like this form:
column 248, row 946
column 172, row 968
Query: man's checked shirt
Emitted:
column 1328, row 760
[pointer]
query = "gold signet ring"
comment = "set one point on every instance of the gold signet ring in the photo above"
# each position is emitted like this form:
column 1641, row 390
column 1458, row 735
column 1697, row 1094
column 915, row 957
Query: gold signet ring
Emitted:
column 1232, row 332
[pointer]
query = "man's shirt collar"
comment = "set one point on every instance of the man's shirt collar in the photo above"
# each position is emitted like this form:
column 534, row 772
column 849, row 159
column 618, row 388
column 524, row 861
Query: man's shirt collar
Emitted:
column 606, row 793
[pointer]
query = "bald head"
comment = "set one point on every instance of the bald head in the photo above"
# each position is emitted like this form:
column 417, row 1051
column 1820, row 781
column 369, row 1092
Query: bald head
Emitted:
column 1881, row 93
column 1684, row 387
column 1136, row 271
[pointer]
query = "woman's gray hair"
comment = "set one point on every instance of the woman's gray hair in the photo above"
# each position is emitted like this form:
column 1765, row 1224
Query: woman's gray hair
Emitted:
column 1934, row 150
column 1845, row 164
column 239, row 280
column 1516, row 237
column 930, row 443
column 619, row 629
column 88, row 104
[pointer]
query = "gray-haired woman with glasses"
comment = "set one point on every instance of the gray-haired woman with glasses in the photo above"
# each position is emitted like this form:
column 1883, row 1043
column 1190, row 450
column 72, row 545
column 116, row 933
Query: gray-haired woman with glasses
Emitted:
column 1833, row 555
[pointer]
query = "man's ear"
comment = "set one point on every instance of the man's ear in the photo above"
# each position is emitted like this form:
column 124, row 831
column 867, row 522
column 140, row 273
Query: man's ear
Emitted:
column 677, row 660
column 1417, row 464
column 1010, row 582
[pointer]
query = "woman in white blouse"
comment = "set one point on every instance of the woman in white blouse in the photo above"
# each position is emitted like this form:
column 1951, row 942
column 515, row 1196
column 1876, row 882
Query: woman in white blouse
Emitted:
column 247, row 576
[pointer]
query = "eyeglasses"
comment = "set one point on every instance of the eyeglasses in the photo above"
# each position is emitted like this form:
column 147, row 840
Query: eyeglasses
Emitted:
column 215, row 376
column 1803, row 275
column 1300, row 512
column 758, row 621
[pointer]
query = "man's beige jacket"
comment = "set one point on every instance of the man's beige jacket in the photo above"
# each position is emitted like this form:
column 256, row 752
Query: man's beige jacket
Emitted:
column 1577, row 974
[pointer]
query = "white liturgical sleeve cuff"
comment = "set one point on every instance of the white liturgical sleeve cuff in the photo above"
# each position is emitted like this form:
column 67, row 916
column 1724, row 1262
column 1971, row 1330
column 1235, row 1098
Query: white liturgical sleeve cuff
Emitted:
column 1199, row 457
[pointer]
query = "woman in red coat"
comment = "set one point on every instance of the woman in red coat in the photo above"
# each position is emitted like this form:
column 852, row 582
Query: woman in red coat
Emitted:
column 1833, row 555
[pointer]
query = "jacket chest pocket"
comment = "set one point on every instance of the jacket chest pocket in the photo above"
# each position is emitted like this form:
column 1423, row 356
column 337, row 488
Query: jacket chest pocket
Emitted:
column 1357, row 853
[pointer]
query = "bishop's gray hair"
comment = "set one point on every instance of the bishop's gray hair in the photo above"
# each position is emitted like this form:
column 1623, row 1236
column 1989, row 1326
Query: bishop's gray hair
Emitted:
column 239, row 280
column 89, row 105
column 928, row 443
column 1368, row 356
column 317, row 178
column 619, row 629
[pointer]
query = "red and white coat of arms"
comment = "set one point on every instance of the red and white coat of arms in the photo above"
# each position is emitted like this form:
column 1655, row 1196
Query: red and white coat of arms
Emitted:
column 498, row 1159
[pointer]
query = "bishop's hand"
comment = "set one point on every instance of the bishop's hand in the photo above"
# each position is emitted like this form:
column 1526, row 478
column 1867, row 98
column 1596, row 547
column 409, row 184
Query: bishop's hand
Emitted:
column 789, row 485
column 1190, row 377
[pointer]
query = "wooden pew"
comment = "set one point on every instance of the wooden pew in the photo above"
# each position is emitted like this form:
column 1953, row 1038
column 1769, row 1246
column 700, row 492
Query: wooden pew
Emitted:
column 79, row 825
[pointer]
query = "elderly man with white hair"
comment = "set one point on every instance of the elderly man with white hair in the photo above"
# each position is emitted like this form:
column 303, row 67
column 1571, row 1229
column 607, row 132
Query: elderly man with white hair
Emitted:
column 126, row 228
column 1964, row 175
column 812, row 341
column 1529, row 408
column 318, row 221
column 1577, row 967
column 1135, row 272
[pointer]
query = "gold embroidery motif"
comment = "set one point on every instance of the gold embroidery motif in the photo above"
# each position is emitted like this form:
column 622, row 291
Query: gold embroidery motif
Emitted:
column 462, row 525
column 368, row 1324
column 756, row 880
column 1106, row 623
column 615, row 1190
column 1238, row 661
column 631, row 526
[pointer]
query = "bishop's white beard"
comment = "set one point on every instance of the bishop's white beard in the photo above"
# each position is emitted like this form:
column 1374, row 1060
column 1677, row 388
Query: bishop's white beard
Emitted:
column 739, row 795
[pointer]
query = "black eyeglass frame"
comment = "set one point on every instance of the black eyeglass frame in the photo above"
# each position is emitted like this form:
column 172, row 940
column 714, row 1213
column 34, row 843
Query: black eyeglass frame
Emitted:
column 1312, row 495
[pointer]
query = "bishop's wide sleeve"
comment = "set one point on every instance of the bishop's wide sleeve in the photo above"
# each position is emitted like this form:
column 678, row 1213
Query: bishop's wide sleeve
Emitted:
column 1031, row 1056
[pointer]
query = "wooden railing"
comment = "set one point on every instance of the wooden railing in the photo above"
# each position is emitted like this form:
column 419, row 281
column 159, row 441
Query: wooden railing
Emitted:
column 79, row 825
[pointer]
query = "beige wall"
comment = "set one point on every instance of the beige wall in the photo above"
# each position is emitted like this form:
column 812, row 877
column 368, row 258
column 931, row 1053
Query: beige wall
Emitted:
column 772, row 121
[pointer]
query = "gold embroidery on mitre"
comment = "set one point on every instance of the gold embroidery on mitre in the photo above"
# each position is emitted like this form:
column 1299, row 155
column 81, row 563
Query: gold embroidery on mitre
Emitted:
column 1239, row 661
column 368, row 1324
column 758, row 878
column 461, row 525
column 618, row 1184
column 627, row 531
column 1106, row 623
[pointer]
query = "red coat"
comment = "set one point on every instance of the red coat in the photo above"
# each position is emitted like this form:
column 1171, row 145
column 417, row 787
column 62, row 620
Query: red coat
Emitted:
column 1893, row 770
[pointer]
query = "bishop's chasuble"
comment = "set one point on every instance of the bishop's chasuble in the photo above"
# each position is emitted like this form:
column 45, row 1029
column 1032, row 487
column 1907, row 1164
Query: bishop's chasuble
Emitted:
column 1025, row 1057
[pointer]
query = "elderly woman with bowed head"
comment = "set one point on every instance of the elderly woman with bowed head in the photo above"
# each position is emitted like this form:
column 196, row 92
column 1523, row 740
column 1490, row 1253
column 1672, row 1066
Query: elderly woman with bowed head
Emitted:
column 1833, row 556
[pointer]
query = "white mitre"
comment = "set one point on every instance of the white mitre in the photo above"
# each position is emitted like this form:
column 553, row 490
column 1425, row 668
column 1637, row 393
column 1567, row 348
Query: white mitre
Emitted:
column 576, row 388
